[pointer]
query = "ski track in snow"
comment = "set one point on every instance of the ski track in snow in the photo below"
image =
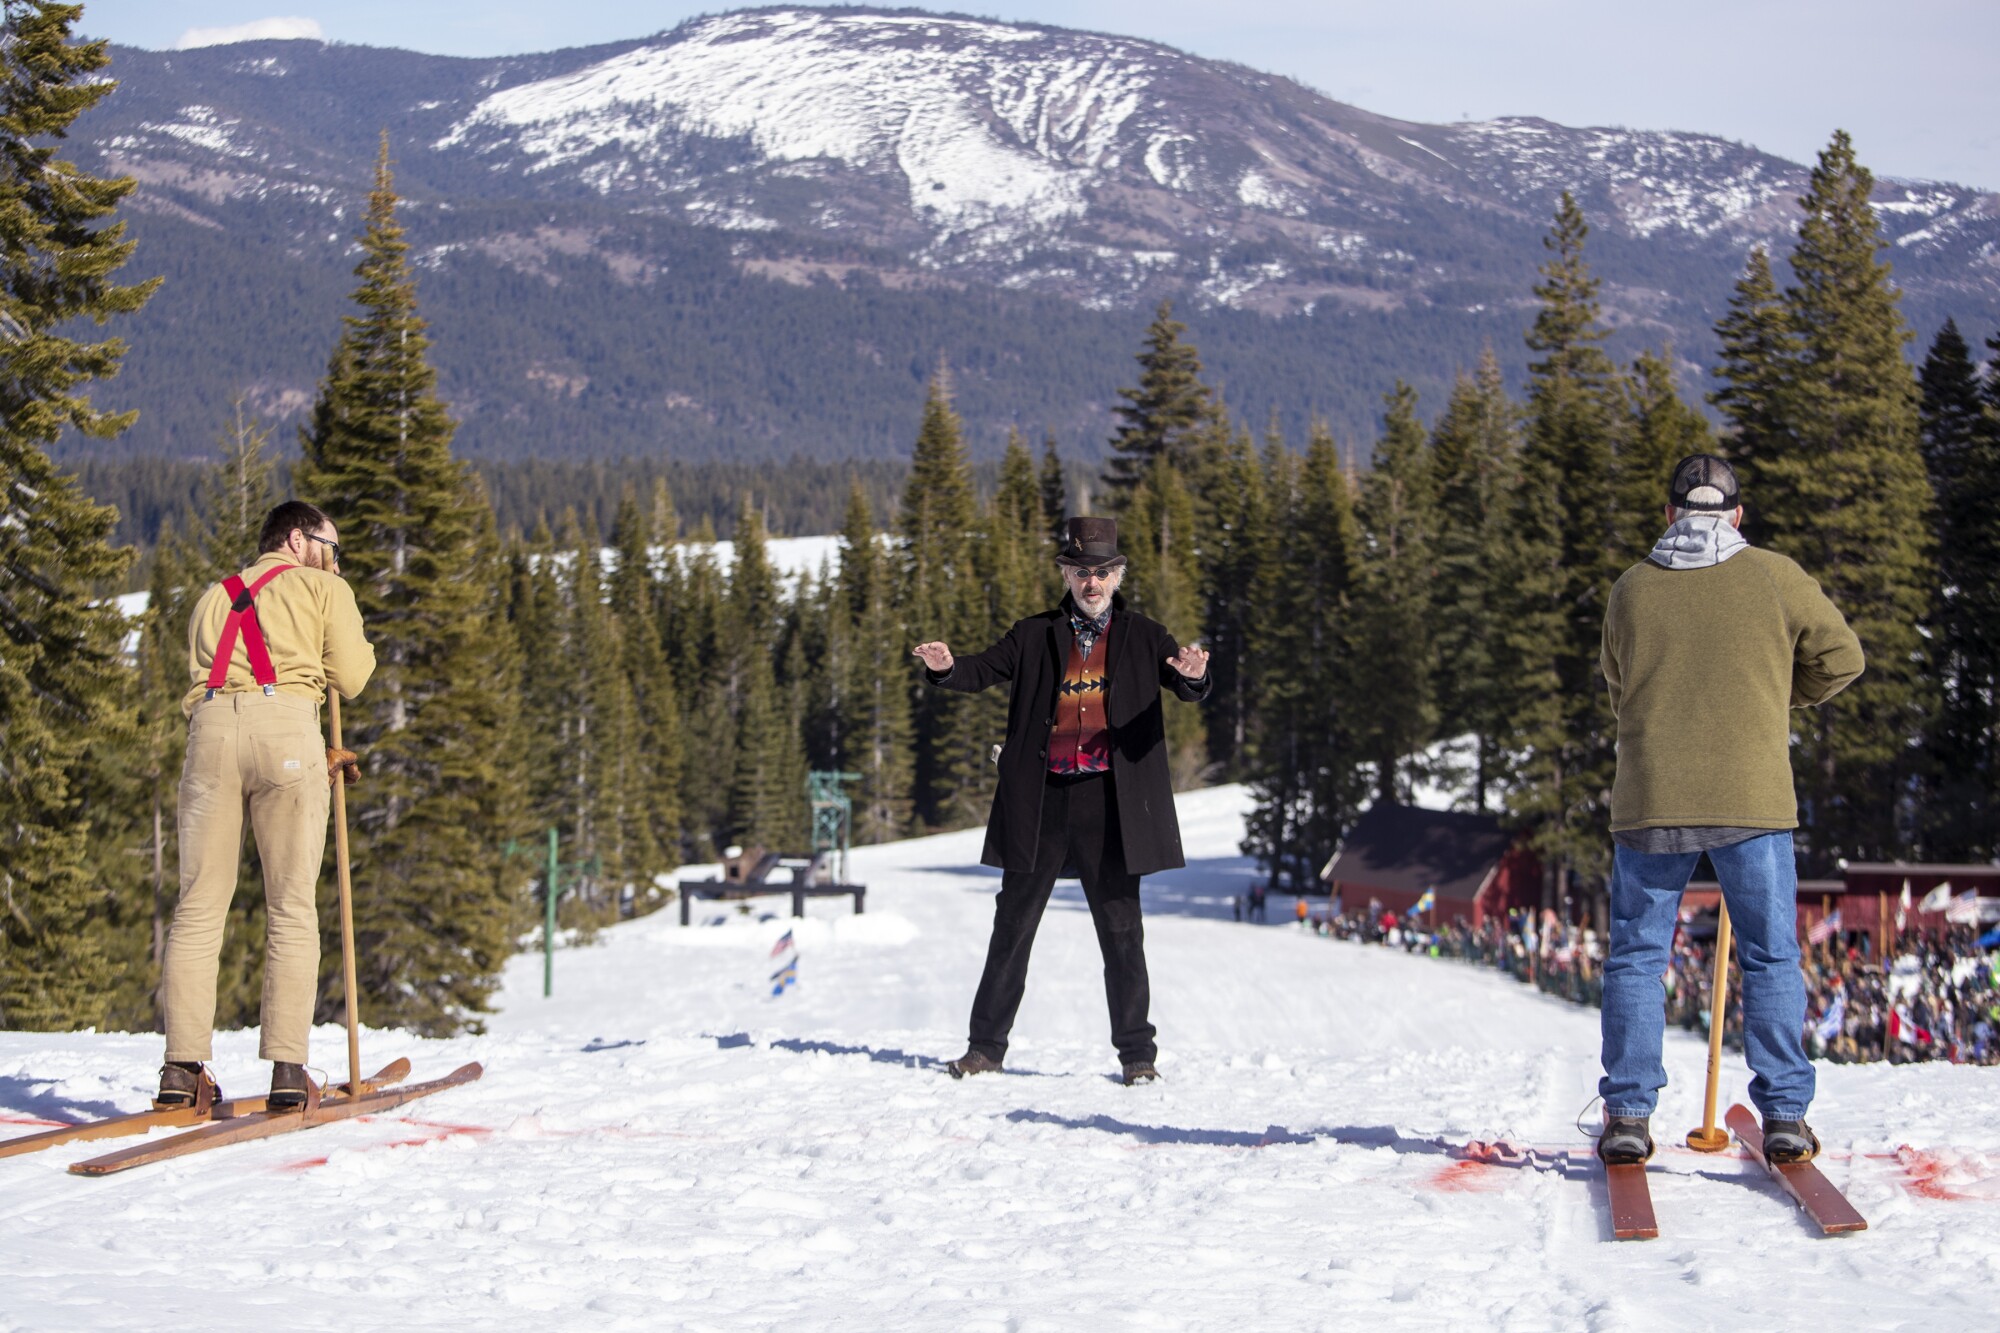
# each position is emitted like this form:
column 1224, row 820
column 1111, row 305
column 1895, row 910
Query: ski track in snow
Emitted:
column 663, row 1144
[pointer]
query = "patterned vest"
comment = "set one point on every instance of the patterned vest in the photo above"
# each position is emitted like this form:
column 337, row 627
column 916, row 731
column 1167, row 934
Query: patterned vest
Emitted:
column 1081, row 741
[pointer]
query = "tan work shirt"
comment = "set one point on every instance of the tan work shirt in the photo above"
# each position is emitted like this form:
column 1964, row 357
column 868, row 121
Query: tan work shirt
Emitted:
column 312, row 628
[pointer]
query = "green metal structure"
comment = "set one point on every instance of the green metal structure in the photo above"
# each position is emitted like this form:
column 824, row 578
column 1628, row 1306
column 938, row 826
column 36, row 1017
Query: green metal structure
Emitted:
column 832, row 818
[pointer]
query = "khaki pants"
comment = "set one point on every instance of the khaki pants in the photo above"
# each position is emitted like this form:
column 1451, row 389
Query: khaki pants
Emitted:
column 262, row 754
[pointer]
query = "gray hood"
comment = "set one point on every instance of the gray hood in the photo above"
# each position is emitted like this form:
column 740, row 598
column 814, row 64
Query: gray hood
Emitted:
column 1699, row 541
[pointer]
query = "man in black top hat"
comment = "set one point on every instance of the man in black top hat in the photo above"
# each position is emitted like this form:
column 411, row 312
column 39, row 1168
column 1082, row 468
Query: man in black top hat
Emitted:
column 1083, row 785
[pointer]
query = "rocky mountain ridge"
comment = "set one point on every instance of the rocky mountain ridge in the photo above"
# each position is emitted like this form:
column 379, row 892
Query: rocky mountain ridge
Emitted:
column 860, row 152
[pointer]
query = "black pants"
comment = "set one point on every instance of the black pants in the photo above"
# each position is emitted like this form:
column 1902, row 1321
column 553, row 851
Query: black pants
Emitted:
column 1080, row 830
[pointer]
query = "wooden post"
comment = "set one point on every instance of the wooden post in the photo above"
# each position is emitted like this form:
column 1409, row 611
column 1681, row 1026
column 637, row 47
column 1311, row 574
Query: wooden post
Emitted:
column 346, row 904
column 1708, row 1138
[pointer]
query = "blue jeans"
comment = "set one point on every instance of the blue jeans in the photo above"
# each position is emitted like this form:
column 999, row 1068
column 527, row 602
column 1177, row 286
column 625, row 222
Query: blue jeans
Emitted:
column 1760, row 884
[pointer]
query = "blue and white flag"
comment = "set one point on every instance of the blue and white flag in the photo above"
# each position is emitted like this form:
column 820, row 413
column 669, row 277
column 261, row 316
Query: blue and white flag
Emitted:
column 1829, row 1026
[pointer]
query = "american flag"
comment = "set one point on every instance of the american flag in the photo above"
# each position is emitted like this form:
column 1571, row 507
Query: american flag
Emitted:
column 784, row 943
column 1824, row 930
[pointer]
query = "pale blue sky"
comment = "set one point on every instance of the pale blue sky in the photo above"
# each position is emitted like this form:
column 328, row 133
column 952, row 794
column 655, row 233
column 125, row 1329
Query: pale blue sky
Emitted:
column 1912, row 81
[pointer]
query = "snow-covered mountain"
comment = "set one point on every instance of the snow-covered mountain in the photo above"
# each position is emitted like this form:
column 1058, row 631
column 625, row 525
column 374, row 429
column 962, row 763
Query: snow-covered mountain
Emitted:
column 914, row 151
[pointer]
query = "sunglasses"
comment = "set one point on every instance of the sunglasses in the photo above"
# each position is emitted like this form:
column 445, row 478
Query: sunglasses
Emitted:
column 323, row 541
column 1085, row 572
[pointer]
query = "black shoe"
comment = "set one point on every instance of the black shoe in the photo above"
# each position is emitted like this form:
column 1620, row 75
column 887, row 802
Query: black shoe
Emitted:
column 1787, row 1142
column 1140, row 1071
column 972, row 1062
column 291, row 1087
column 1626, row 1140
column 180, row 1085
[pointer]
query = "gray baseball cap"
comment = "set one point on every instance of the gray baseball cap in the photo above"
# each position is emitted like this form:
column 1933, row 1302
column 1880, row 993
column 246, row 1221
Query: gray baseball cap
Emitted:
column 1703, row 481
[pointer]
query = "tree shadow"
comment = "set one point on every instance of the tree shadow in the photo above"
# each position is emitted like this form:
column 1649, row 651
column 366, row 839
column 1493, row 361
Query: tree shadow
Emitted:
column 17, row 1094
column 1205, row 887
column 879, row 1054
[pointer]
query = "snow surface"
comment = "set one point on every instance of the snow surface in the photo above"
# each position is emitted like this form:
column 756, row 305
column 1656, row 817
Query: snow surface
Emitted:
column 664, row 1144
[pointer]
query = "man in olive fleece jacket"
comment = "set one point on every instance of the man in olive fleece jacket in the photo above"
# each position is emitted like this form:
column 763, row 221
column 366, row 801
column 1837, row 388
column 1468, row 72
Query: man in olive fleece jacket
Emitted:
column 1708, row 644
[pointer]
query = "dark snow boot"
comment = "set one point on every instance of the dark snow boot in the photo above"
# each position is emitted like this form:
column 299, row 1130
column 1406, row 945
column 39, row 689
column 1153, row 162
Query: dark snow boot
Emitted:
column 973, row 1062
column 1626, row 1140
column 1140, row 1071
column 1787, row 1142
column 292, row 1089
column 184, row 1083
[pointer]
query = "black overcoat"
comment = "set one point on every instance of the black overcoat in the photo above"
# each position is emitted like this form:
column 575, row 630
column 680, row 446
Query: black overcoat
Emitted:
column 1032, row 656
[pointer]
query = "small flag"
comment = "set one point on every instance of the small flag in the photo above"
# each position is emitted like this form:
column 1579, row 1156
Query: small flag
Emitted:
column 1937, row 899
column 1427, row 902
column 1825, row 930
column 784, row 943
column 1903, row 906
column 1829, row 1026
column 1964, row 909
column 788, row 975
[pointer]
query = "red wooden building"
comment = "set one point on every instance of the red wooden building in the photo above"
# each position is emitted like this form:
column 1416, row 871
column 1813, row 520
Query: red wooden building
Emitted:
column 1397, row 853
column 1869, row 894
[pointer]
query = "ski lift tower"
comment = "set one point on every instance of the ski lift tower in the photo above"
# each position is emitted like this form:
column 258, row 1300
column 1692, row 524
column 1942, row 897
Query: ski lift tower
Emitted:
column 832, row 820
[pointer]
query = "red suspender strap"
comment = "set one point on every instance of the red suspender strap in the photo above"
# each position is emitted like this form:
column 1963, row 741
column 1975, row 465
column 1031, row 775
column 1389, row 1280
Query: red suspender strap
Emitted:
column 243, row 620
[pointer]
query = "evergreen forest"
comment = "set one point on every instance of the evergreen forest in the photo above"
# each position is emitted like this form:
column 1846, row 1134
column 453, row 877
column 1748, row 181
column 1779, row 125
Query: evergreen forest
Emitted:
column 561, row 649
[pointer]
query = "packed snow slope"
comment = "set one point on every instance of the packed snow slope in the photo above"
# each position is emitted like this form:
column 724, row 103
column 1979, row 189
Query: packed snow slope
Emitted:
column 665, row 1144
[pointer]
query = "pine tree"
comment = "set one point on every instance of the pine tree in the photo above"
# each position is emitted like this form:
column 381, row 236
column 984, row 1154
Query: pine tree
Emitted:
column 1055, row 500
column 1660, row 430
column 1394, row 706
column 1849, row 502
column 538, row 616
column 766, row 794
column 940, row 599
column 1760, row 349
column 609, row 832
column 1165, row 413
column 1233, row 538
column 433, row 914
column 1961, row 444
column 61, row 681
column 701, row 655
column 1475, row 458
column 238, row 491
column 1305, row 771
column 1565, row 562
column 635, row 600
column 1162, row 580
column 875, row 727
column 1025, row 578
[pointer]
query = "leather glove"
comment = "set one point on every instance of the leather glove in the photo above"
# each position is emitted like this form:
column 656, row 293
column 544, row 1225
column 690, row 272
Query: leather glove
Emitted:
column 343, row 761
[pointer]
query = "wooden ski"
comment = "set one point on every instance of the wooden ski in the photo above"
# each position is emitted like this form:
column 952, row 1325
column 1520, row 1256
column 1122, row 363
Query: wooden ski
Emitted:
column 141, row 1122
column 1631, row 1202
column 268, row 1124
column 1802, row 1180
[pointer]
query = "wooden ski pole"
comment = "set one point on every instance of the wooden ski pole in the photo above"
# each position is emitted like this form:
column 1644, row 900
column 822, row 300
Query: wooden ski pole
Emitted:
column 347, row 905
column 1708, row 1138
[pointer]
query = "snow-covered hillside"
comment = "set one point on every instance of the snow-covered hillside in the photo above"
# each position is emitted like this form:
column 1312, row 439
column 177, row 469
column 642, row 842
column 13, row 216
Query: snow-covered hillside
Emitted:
column 666, row 1144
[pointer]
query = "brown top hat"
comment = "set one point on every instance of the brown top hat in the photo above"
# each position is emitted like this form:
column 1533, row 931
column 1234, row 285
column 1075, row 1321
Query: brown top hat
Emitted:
column 1091, row 541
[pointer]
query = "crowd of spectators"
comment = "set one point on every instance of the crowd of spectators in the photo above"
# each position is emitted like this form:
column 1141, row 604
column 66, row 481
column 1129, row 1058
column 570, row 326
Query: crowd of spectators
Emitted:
column 1937, row 998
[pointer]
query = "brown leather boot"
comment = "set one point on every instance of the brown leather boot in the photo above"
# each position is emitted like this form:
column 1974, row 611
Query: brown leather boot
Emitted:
column 184, row 1083
column 972, row 1062
column 1140, row 1071
column 292, row 1089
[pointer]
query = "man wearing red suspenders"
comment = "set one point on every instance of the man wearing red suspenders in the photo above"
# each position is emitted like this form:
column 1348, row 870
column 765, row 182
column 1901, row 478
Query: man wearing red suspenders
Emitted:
column 263, row 646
